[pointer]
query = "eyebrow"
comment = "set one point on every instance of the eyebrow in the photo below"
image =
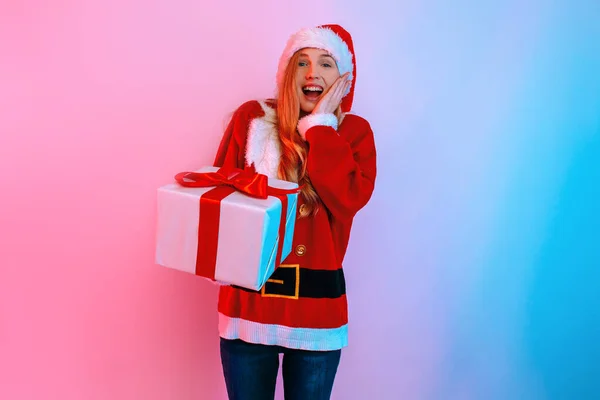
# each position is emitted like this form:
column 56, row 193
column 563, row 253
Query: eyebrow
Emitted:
column 320, row 56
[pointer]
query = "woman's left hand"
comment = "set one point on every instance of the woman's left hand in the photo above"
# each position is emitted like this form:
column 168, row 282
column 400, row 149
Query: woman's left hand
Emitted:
column 330, row 102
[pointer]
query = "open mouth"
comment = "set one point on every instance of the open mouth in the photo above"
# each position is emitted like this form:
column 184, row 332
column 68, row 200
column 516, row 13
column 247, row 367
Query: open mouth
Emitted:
column 312, row 92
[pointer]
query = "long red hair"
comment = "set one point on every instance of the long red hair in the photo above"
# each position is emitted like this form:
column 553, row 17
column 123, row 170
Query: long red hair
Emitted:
column 294, row 150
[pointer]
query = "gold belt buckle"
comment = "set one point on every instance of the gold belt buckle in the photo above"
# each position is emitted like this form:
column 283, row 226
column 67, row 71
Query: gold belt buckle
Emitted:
column 281, row 282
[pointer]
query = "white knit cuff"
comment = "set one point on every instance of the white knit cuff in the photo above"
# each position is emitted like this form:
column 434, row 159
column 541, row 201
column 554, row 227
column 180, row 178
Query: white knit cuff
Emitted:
column 311, row 120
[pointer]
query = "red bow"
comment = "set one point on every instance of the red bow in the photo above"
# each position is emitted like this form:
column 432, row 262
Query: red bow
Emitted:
column 247, row 181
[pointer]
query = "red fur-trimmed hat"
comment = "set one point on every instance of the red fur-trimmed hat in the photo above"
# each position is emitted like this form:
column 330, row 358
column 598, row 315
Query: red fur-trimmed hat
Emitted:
column 332, row 38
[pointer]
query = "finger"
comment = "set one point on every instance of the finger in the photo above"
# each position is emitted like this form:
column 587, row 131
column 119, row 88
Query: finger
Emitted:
column 339, row 91
column 347, row 86
column 333, row 88
column 331, row 98
column 338, row 85
column 341, row 79
column 343, row 87
column 346, row 82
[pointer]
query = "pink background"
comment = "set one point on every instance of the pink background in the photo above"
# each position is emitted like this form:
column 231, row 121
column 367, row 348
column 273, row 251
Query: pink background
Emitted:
column 486, row 121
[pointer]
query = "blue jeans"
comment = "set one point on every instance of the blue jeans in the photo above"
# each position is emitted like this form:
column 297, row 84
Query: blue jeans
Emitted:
column 250, row 371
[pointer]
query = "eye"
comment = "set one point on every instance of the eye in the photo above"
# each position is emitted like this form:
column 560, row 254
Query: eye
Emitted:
column 302, row 63
column 327, row 65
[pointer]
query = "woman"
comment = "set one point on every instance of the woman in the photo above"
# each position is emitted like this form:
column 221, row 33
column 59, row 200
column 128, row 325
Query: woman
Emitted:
column 304, row 136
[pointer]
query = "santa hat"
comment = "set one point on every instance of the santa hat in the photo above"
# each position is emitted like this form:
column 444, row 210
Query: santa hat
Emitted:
column 336, row 41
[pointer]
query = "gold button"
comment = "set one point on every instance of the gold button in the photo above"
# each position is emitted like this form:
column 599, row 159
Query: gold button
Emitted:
column 300, row 250
column 303, row 210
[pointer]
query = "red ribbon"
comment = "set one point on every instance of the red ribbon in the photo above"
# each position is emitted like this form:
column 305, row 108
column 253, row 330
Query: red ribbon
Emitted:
column 227, row 181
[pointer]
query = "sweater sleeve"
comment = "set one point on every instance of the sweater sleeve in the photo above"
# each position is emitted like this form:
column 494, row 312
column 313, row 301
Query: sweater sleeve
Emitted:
column 342, row 167
column 231, row 151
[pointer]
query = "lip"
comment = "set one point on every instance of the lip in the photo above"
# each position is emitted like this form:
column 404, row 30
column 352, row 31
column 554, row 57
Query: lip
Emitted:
column 312, row 100
column 312, row 84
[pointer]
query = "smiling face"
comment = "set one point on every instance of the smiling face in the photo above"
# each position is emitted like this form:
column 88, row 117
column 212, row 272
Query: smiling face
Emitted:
column 316, row 72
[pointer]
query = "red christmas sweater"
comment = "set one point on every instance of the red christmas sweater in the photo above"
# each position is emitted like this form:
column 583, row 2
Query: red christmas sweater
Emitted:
column 303, row 305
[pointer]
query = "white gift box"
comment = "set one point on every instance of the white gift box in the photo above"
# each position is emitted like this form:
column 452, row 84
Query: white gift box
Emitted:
column 248, row 232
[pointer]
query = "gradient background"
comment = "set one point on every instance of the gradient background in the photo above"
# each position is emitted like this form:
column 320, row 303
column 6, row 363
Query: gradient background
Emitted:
column 481, row 279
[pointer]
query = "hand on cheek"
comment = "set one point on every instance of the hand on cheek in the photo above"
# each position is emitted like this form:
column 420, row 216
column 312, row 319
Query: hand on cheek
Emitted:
column 332, row 99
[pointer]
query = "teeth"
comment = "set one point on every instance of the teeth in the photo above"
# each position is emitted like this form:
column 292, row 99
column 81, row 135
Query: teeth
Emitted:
column 313, row 89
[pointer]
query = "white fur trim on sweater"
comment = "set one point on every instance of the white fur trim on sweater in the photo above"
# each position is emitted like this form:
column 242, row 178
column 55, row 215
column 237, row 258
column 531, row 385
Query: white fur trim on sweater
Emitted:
column 315, row 339
column 263, row 147
column 320, row 38
column 311, row 120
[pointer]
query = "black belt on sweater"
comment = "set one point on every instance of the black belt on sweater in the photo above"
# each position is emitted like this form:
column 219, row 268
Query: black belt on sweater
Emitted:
column 291, row 281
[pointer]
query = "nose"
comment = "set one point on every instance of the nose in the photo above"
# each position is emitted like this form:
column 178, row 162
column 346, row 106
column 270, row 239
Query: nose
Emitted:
column 311, row 72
